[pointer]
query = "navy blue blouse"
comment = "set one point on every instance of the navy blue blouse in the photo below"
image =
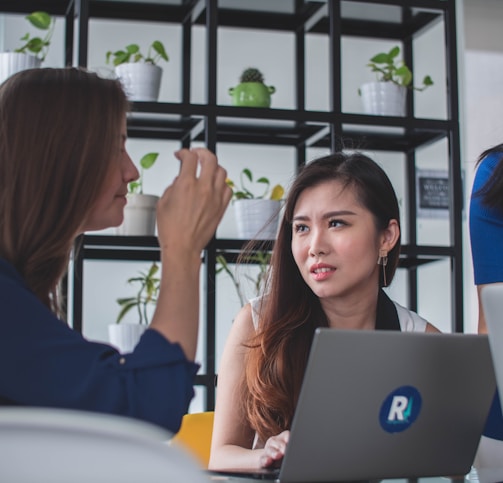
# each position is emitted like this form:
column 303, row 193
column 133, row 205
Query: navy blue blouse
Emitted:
column 46, row 363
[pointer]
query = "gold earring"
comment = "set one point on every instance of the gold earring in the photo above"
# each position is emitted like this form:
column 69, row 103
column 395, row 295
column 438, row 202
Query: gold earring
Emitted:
column 383, row 260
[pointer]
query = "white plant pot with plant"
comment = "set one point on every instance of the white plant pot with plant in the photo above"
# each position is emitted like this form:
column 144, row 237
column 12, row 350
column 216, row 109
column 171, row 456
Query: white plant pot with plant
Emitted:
column 383, row 98
column 140, row 210
column 256, row 216
column 32, row 52
column 388, row 94
column 139, row 74
column 125, row 335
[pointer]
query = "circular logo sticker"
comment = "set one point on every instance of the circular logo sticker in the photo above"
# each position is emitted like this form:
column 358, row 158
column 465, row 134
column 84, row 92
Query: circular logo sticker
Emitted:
column 400, row 409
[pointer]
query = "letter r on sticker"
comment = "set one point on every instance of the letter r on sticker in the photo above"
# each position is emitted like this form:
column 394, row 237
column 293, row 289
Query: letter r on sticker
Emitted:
column 397, row 408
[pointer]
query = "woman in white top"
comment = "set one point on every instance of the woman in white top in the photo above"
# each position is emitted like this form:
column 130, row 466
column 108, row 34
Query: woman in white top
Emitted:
column 338, row 244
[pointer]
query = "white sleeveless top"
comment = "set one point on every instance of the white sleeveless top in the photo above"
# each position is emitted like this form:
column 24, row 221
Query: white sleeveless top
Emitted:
column 409, row 320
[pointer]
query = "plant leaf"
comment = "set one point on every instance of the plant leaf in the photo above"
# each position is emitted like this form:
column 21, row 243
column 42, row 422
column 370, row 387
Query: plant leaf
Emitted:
column 405, row 74
column 134, row 186
column 427, row 81
column 121, row 57
column 159, row 48
column 153, row 270
column 381, row 58
column 393, row 52
column 35, row 45
column 248, row 174
column 40, row 20
column 125, row 309
column 132, row 48
column 277, row 192
column 148, row 161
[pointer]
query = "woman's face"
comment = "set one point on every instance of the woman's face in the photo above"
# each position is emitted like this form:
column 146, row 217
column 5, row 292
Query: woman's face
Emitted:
column 335, row 242
column 108, row 209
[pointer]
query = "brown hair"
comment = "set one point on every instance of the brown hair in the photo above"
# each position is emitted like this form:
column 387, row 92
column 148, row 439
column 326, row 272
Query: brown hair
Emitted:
column 277, row 356
column 59, row 129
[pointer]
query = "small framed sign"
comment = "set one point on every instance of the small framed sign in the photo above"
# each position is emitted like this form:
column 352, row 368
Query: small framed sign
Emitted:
column 432, row 192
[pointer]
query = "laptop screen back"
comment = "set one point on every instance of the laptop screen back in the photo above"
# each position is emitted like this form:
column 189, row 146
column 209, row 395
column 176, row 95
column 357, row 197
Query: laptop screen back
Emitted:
column 382, row 404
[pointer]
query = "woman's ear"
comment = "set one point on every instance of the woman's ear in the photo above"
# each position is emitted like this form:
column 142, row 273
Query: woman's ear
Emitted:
column 390, row 236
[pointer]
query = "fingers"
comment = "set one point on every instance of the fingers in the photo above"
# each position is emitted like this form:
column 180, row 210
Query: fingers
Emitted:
column 274, row 449
column 212, row 177
column 211, row 174
column 190, row 158
column 195, row 202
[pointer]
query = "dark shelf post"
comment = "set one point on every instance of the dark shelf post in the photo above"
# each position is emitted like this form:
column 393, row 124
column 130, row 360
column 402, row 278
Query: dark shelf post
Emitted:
column 455, row 178
column 334, row 61
column 82, row 14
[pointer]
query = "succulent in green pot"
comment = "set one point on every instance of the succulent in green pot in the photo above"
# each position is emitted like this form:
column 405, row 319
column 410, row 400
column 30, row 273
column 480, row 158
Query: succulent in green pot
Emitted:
column 251, row 91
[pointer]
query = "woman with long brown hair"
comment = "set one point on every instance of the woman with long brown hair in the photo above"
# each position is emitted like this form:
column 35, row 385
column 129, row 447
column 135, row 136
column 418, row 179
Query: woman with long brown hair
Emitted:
column 337, row 245
column 64, row 170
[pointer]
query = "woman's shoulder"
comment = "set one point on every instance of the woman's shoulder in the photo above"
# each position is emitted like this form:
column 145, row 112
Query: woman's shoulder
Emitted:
column 244, row 324
column 409, row 320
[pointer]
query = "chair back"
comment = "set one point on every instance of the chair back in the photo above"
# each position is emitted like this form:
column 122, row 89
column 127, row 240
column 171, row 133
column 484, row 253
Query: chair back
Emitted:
column 195, row 435
column 58, row 446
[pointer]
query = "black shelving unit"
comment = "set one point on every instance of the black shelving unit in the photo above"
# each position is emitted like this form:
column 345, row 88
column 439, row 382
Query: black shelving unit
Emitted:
column 297, row 127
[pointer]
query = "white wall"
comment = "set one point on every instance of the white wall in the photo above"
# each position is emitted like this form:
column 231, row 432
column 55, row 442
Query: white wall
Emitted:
column 480, row 77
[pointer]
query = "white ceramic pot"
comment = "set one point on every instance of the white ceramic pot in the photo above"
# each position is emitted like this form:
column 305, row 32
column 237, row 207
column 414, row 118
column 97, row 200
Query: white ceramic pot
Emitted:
column 124, row 336
column 12, row 62
column 257, row 218
column 141, row 81
column 383, row 98
column 139, row 215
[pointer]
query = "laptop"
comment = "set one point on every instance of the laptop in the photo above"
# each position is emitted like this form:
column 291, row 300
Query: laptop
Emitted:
column 385, row 404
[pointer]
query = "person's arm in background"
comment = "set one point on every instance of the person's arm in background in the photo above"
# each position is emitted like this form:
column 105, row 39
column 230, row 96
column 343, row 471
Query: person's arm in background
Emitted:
column 188, row 214
column 232, row 441
column 482, row 327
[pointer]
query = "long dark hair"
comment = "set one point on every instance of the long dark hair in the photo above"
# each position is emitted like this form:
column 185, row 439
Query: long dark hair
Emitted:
column 278, row 355
column 59, row 132
column 492, row 192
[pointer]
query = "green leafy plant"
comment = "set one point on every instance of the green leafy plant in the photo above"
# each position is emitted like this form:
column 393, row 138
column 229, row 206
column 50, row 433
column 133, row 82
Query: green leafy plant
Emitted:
column 261, row 258
column 146, row 162
column 389, row 69
column 131, row 53
column 145, row 297
column 36, row 45
column 247, row 181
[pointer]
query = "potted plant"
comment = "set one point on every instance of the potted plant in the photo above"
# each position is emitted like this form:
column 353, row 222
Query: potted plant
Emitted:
column 251, row 91
column 387, row 95
column 139, row 73
column 256, row 215
column 261, row 258
column 124, row 335
column 140, row 211
column 33, row 50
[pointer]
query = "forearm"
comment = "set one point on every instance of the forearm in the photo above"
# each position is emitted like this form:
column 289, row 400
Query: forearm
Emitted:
column 177, row 312
column 231, row 456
